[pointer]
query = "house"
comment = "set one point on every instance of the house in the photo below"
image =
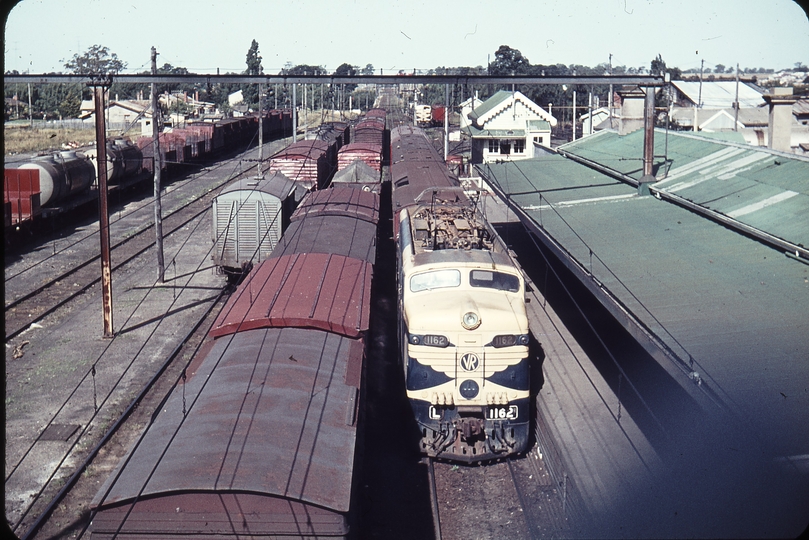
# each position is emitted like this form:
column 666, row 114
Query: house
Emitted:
column 595, row 120
column 189, row 106
column 120, row 114
column 752, row 124
column 714, row 94
column 506, row 126
column 467, row 107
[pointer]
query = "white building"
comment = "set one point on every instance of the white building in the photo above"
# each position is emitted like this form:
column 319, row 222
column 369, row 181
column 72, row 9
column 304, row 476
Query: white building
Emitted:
column 506, row 126
column 467, row 107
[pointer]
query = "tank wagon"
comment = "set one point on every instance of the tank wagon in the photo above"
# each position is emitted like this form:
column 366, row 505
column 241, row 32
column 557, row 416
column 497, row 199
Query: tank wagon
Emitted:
column 264, row 439
column 463, row 326
column 61, row 175
column 249, row 217
column 68, row 179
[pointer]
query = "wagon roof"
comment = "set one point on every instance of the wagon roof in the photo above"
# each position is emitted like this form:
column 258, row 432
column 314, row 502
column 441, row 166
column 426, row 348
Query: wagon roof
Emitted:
column 270, row 412
column 340, row 201
column 276, row 184
column 357, row 172
column 312, row 148
column 361, row 146
column 307, row 290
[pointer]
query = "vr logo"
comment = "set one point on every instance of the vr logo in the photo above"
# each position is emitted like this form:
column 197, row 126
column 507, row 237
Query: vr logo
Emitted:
column 469, row 362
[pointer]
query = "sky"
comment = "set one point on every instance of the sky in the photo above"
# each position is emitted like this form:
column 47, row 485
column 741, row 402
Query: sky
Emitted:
column 203, row 35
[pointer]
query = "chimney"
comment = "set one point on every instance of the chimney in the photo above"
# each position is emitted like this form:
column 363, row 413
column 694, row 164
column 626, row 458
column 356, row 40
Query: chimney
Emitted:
column 780, row 101
column 632, row 106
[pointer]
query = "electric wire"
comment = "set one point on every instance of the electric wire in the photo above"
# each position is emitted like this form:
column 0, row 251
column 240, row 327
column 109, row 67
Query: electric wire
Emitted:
column 98, row 409
column 177, row 429
column 89, row 373
column 595, row 333
column 168, row 189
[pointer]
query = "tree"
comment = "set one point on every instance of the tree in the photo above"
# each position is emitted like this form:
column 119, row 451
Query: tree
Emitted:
column 70, row 106
column 254, row 60
column 254, row 67
column 658, row 65
column 347, row 70
column 508, row 61
column 719, row 68
column 97, row 60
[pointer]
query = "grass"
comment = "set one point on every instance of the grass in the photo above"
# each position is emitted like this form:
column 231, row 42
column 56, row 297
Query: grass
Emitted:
column 18, row 139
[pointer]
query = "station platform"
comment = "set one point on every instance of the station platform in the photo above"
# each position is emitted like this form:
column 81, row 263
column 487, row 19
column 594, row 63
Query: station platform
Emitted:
column 718, row 445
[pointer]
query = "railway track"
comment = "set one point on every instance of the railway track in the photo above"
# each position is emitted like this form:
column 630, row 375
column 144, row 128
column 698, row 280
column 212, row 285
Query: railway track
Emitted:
column 518, row 497
column 98, row 380
column 64, row 513
column 28, row 306
column 61, row 400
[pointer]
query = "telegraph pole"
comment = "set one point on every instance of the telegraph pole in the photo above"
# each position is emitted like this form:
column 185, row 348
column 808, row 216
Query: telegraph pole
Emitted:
column 609, row 98
column 260, row 127
column 157, row 164
column 294, row 113
column 446, row 122
column 99, row 87
column 736, row 103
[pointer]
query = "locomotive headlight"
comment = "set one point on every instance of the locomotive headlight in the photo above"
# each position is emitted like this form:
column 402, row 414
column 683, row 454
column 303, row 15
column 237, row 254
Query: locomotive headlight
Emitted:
column 470, row 320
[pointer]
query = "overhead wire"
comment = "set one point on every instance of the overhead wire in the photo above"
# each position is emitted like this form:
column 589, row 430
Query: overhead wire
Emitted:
column 182, row 422
column 90, row 372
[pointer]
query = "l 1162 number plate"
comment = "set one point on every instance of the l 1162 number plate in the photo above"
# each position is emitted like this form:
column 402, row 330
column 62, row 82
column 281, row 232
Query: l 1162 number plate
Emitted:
column 502, row 413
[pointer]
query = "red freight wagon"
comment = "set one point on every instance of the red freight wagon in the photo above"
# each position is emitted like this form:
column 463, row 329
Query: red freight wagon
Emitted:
column 21, row 191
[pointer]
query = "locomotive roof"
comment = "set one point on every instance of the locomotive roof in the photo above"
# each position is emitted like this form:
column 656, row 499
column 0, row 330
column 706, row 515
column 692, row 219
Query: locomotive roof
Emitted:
column 463, row 256
column 297, row 387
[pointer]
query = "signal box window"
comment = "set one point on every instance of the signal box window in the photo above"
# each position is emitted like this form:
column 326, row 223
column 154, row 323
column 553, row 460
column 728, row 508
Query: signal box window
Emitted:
column 494, row 146
column 519, row 146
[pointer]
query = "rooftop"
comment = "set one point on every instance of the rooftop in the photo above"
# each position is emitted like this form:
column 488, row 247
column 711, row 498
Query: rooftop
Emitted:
column 709, row 302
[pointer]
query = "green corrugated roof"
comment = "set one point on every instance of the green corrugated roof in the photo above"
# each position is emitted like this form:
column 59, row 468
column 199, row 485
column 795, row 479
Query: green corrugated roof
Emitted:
column 755, row 186
column 733, row 304
column 499, row 97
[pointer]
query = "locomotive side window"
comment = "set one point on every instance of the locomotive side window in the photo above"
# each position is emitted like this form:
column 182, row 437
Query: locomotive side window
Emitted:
column 494, row 280
column 437, row 279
